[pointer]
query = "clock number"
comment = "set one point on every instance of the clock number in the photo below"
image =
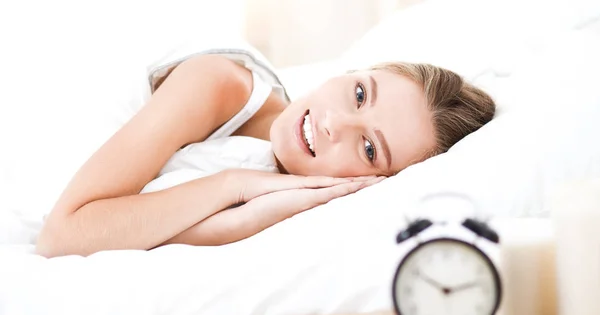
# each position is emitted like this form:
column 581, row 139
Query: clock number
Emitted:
column 413, row 310
column 446, row 253
column 407, row 291
column 480, row 269
column 485, row 289
column 479, row 309
column 464, row 258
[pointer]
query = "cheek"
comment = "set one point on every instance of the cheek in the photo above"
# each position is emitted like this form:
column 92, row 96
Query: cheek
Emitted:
column 343, row 164
column 348, row 170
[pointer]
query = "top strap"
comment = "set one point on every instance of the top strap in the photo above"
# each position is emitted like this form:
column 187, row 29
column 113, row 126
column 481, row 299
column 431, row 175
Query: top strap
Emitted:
column 260, row 93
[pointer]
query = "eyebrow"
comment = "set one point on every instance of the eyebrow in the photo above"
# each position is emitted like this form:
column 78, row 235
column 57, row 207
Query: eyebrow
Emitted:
column 373, row 90
column 384, row 147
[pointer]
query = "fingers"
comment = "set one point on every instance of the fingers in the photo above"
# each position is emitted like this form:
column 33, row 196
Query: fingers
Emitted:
column 374, row 181
column 318, row 181
column 286, row 203
column 324, row 195
column 260, row 184
column 327, row 194
column 330, row 193
column 325, row 181
column 362, row 178
column 264, row 183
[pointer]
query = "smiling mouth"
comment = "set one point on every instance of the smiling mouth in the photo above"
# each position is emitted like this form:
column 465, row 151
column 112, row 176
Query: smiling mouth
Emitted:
column 307, row 133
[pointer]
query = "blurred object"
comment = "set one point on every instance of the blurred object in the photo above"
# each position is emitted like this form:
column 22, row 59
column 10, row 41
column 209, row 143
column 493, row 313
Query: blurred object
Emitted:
column 292, row 32
column 576, row 217
column 528, row 267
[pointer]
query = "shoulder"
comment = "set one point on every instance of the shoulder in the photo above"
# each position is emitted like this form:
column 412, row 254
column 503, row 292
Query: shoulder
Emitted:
column 213, row 75
column 209, row 89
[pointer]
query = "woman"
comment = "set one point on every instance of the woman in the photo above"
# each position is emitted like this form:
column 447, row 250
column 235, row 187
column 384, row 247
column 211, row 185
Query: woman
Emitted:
column 351, row 132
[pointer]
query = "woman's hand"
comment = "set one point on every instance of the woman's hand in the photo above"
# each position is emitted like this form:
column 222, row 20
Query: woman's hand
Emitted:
column 269, row 208
column 265, row 210
column 249, row 184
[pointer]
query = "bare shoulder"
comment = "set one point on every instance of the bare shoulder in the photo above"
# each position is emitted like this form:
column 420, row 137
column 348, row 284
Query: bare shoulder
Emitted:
column 223, row 72
column 212, row 87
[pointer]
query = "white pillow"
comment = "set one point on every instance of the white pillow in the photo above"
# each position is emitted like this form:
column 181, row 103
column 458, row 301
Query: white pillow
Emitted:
column 535, row 59
column 513, row 164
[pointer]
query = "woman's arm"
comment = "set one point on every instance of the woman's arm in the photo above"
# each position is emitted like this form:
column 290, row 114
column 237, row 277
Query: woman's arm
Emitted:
column 100, row 208
column 261, row 212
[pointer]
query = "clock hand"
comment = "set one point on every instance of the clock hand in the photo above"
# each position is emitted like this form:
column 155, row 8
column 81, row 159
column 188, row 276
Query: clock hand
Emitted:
column 431, row 281
column 464, row 286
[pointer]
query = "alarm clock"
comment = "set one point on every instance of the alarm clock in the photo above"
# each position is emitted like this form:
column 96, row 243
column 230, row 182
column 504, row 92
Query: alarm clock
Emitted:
column 448, row 269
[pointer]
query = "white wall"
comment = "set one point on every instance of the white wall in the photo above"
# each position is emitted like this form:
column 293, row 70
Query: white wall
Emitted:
column 292, row 32
column 58, row 59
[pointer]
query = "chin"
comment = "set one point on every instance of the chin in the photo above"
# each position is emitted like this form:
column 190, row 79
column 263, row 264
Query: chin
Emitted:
column 284, row 164
column 289, row 165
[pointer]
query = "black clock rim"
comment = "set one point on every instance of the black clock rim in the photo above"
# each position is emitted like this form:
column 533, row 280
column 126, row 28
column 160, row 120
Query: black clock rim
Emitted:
column 446, row 239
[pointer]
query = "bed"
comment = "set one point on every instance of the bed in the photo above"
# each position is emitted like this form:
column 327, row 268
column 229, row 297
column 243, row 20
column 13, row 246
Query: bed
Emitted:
column 337, row 258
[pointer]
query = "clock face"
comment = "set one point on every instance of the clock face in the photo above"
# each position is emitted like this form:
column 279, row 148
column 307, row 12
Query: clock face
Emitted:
column 446, row 277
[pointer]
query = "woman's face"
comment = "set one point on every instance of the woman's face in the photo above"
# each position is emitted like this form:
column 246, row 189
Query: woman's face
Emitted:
column 362, row 123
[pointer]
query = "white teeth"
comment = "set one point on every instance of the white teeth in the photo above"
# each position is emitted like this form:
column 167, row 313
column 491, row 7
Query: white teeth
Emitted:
column 308, row 133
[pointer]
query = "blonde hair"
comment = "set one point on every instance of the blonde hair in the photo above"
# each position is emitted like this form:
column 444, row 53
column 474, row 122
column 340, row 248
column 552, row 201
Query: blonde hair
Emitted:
column 458, row 107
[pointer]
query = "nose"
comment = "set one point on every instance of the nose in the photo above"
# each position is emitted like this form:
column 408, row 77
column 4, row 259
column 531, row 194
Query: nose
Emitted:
column 335, row 124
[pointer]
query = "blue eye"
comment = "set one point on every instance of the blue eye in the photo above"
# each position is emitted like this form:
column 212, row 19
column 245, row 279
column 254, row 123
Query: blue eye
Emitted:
column 369, row 150
column 360, row 94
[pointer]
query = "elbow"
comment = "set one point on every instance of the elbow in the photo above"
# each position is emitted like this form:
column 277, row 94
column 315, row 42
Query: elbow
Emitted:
column 47, row 251
column 51, row 241
column 46, row 246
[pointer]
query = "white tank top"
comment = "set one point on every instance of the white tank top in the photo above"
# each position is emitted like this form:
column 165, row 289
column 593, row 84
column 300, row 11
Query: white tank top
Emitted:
column 221, row 150
column 260, row 94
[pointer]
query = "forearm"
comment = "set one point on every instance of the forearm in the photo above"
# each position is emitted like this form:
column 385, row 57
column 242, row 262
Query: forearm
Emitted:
column 140, row 221
column 231, row 225
column 264, row 210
